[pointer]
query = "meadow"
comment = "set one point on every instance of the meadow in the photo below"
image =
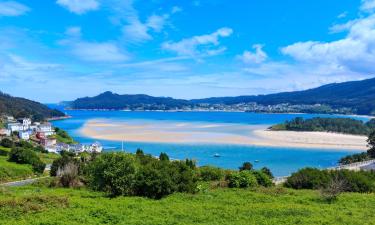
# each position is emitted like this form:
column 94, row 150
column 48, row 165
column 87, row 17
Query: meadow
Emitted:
column 40, row 205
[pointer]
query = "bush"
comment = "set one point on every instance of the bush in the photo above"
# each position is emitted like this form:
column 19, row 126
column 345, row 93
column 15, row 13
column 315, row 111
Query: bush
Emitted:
column 61, row 163
column 246, row 166
column 3, row 152
column 361, row 181
column 68, row 176
column 114, row 173
column 243, row 179
column 26, row 156
column 7, row 143
column 262, row 179
column 268, row 172
column 308, row 178
column 24, row 144
column 210, row 173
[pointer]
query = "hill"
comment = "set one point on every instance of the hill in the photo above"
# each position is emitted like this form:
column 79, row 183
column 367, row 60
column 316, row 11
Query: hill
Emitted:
column 21, row 107
column 109, row 100
column 357, row 96
column 38, row 205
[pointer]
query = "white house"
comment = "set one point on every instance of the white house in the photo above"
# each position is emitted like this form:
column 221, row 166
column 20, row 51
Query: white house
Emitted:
column 96, row 147
column 46, row 128
column 26, row 122
column 24, row 135
column 15, row 127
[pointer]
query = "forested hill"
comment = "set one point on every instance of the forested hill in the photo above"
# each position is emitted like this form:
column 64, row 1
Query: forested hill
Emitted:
column 109, row 100
column 358, row 95
column 21, row 107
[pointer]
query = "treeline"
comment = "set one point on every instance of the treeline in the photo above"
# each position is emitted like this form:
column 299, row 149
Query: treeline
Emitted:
column 364, row 156
column 144, row 175
column 23, row 152
column 21, row 107
column 337, row 125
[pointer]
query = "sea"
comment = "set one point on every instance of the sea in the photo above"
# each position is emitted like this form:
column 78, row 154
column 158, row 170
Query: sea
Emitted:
column 282, row 161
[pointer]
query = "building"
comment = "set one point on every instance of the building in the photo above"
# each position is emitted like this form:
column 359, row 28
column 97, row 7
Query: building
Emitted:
column 26, row 122
column 96, row 147
column 5, row 132
column 24, row 135
column 46, row 128
column 15, row 127
column 48, row 142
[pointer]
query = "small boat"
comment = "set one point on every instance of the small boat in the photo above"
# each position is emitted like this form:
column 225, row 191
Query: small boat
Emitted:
column 216, row 155
column 256, row 161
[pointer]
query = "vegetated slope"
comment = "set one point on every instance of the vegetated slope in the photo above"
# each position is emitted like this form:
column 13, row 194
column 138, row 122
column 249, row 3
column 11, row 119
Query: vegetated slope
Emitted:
column 109, row 100
column 37, row 205
column 359, row 95
column 21, row 107
column 12, row 171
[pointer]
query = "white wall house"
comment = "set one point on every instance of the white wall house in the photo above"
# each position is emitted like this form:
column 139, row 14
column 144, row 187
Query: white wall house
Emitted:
column 46, row 128
column 24, row 135
column 5, row 132
column 15, row 127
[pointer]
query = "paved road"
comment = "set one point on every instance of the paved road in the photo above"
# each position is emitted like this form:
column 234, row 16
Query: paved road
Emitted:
column 21, row 182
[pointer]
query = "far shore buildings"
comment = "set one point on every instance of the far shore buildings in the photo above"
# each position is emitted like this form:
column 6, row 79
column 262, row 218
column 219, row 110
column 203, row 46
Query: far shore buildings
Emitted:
column 43, row 133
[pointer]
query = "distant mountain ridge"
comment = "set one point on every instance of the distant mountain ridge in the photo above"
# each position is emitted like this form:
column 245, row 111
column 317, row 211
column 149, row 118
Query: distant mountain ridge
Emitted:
column 357, row 95
column 21, row 107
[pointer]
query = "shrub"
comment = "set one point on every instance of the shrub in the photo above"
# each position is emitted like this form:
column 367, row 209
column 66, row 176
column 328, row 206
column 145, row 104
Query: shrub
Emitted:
column 3, row 152
column 268, row 172
column 262, row 179
column 68, row 176
column 210, row 173
column 61, row 163
column 335, row 187
column 24, row 144
column 114, row 173
column 163, row 157
column 360, row 181
column 26, row 156
column 7, row 143
column 246, row 166
column 308, row 178
column 243, row 179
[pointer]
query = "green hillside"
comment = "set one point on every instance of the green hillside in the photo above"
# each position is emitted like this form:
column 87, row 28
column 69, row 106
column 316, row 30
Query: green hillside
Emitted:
column 36, row 205
column 21, row 107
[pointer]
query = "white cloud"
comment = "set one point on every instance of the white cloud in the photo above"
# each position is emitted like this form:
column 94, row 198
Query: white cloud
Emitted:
column 199, row 45
column 256, row 57
column 355, row 52
column 176, row 9
column 92, row 51
column 12, row 8
column 79, row 6
column 368, row 5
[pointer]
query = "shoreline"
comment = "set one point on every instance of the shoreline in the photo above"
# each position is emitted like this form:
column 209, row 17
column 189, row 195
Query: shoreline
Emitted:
column 59, row 118
column 239, row 111
column 217, row 133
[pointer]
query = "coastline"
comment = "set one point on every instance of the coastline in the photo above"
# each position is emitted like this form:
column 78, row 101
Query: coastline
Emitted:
column 217, row 133
column 59, row 118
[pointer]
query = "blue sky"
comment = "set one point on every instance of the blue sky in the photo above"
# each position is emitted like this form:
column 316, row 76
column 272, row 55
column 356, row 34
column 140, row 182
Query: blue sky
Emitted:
column 55, row 50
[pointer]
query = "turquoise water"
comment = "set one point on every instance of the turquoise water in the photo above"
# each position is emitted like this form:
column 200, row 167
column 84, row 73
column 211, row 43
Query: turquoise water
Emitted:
column 282, row 161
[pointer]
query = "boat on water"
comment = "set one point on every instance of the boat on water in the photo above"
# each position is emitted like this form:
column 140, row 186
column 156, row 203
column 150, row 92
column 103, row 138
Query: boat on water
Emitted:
column 256, row 161
column 216, row 155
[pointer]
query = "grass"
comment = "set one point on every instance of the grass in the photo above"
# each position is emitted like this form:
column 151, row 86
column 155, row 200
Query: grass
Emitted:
column 10, row 171
column 39, row 205
column 48, row 158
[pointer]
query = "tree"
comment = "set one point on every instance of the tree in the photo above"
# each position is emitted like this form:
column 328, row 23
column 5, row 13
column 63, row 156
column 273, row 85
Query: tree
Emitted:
column 243, row 179
column 139, row 152
column 246, row 166
column 268, row 172
column 114, row 173
column 163, row 157
column 61, row 163
column 371, row 144
column 7, row 143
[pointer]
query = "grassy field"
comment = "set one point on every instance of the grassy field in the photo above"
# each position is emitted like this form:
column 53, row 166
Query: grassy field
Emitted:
column 48, row 158
column 36, row 205
column 11, row 171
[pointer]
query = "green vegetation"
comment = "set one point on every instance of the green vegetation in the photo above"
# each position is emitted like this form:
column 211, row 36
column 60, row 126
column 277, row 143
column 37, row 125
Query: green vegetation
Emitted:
column 353, row 181
column 360, row 157
column 63, row 137
column 40, row 205
column 20, row 107
column 338, row 125
column 27, row 156
column 10, row 171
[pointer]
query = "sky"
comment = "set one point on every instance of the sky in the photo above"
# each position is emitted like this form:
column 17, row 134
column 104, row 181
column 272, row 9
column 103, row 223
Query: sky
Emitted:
column 56, row 50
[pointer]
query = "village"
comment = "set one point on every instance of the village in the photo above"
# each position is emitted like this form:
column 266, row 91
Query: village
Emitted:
column 42, row 133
